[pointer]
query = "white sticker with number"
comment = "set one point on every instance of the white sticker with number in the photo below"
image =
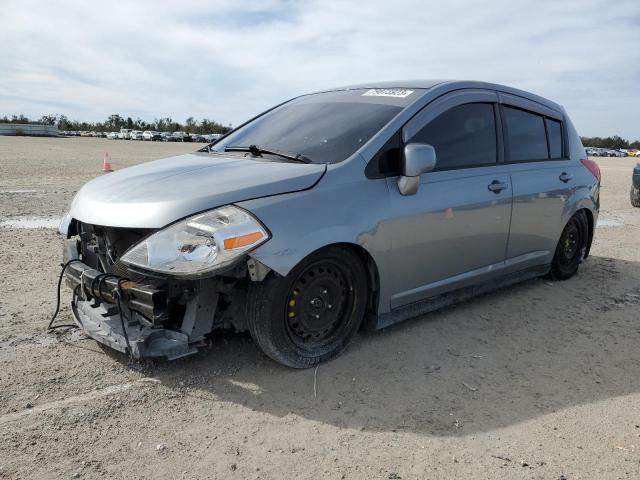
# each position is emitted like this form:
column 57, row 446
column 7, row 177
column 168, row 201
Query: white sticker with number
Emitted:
column 388, row 92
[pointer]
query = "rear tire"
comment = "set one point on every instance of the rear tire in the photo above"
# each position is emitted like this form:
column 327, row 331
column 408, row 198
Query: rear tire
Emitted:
column 310, row 315
column 635, row 196
column 571, row 248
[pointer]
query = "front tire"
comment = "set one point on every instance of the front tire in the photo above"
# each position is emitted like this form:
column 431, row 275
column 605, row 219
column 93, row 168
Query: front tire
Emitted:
column 571, row 248
column 310, row 315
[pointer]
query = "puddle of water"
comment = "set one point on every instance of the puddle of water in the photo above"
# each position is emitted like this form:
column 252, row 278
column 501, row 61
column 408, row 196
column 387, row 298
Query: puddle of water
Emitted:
column 609, row 220
column 30, row 222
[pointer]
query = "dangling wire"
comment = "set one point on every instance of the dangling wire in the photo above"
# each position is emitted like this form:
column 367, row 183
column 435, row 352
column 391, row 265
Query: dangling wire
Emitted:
column 124, row 330
column 100, row 281
column 51, row 326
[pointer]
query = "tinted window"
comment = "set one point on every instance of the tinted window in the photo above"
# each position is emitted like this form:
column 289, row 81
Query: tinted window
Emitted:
column 325, row 127
column 527, row 137
column 464, row 136
column 554, row 133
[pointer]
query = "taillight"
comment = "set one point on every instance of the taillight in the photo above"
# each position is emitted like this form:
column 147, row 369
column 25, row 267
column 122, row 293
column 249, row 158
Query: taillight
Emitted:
column 593, row 168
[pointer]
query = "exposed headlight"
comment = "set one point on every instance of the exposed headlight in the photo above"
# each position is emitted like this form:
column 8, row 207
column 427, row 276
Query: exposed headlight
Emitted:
column 199, row 244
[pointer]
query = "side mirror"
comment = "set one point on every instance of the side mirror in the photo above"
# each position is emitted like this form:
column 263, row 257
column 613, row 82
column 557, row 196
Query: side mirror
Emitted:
column 418, row 158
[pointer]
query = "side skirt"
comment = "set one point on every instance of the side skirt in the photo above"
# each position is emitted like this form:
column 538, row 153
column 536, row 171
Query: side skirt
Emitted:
column 376, row 322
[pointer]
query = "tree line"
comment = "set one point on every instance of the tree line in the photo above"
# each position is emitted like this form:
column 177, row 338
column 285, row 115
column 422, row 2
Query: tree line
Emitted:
column 115, row 122
column 612, row 143
column 166, row 124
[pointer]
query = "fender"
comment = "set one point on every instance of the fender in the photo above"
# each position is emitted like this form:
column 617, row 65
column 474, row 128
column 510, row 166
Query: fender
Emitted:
column 585, row 195
column 303, row 222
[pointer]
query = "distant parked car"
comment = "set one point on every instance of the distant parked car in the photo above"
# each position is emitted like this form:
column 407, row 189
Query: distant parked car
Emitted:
column 150, row 135
column 112, row 135
column 181, row 137
column 124, row 134
column 635, row 187
column 592, row 152
column 135, row 135
column 605, row 152
column 212, row 137
column 166, row 137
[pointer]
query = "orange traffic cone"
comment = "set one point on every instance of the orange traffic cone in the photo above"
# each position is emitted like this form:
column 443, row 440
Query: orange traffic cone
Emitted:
column 106, row 163
column 448, row 213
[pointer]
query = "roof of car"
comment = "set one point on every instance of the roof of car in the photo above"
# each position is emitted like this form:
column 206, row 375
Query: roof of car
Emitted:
column 419, row 83
column 428, row 84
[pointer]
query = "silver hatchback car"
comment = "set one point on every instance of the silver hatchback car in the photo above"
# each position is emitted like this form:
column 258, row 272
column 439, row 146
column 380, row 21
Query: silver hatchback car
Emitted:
column 352, row 207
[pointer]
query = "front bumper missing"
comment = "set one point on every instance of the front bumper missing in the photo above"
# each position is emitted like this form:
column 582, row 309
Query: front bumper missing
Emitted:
column 144, row 309
column 104, row 326
column 149, row 301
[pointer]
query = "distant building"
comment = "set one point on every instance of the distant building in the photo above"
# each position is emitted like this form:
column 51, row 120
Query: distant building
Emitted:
column 28, row 130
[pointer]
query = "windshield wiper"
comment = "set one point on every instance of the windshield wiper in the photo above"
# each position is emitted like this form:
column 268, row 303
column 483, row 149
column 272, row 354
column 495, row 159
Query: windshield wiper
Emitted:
column 257, row 152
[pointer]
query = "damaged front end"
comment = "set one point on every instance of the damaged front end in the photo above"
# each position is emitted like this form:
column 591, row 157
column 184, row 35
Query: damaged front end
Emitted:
column 147, row 313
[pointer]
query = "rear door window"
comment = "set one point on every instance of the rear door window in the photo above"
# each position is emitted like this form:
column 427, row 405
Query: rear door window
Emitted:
column 554, row 133
column 526, row 135
column 464, row 136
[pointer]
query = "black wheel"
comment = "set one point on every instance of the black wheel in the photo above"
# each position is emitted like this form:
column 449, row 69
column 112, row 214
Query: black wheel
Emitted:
column 571, row 248
column 635, row 196
column 310, row 315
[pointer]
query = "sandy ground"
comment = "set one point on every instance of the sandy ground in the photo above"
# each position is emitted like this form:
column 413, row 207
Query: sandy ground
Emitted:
column 538, row 381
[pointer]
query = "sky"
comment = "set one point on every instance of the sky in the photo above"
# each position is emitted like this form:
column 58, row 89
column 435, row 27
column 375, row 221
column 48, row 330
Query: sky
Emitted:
column 227, row 61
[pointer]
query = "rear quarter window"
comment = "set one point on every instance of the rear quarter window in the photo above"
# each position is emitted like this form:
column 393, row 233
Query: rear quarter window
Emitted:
column 526, row 135
column 554, row 133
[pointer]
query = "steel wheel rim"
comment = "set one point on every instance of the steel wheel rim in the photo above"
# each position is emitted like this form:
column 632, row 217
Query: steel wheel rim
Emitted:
column 319, row 304
column 570, row 244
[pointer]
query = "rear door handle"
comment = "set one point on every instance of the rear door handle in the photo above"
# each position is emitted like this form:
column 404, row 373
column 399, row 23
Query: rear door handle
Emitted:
column 497, row 187
column 565, row 177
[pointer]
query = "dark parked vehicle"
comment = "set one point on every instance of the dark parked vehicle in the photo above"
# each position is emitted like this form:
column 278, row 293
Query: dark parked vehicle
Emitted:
column 179, row 137
column 635, row 187
column 352, row 207
column 199, row 139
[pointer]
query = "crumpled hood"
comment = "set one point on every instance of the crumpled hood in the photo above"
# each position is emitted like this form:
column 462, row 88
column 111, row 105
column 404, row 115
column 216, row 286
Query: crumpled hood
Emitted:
column 154, row 194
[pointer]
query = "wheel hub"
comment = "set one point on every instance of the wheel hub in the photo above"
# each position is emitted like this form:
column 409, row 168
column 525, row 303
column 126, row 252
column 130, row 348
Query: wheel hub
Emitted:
column 570, row 244
column 316, row 303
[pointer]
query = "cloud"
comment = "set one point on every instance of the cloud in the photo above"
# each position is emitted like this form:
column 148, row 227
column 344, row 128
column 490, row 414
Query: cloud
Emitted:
column 230, row 60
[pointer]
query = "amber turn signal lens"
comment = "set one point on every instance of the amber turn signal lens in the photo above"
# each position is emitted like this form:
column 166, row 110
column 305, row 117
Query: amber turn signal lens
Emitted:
column 242, row 240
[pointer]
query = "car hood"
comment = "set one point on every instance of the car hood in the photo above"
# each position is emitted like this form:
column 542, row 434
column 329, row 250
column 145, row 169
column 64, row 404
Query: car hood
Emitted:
column 154, row 194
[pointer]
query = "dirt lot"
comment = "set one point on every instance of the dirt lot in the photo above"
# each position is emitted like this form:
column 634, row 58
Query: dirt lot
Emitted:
column 535, row 381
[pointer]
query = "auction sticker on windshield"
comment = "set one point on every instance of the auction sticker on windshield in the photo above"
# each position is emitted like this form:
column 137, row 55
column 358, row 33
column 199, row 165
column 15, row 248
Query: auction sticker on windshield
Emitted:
column 388, row 92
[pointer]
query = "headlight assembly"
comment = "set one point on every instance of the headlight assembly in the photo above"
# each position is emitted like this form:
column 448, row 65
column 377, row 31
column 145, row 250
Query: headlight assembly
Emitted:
column 200, row 244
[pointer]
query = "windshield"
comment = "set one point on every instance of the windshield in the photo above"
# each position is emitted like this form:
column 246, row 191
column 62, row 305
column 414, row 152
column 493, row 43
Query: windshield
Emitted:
column 324, row 127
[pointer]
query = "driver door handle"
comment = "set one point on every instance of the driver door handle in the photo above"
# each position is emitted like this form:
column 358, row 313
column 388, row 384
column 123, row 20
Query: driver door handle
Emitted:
column 497, row 187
